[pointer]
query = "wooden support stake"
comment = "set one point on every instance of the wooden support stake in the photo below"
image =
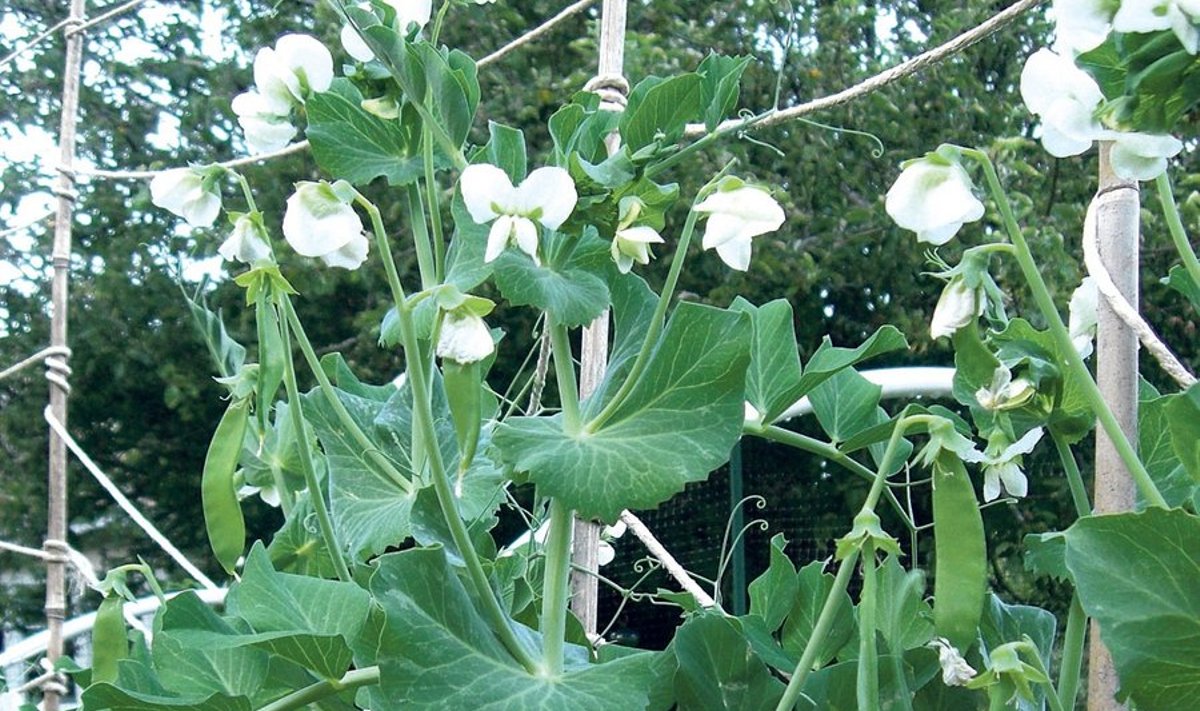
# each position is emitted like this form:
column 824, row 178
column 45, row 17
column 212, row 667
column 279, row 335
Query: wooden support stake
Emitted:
column 1117, row 207
column 585, row 591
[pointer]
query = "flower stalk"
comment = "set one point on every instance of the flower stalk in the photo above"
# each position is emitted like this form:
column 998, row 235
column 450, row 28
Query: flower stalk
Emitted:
column 1062, row 338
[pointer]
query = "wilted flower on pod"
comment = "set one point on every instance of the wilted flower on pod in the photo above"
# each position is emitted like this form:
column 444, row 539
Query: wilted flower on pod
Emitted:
column 465, row 338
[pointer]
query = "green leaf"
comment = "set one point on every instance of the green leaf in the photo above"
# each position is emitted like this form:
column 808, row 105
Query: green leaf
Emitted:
column 846, row 404
column 661, row 108
column 506, row 150
column 1045, row 554
column 721, row 77
column 1183, row 420
column 1002, row 623
column 108, row 697
column 314, row 620
column 829, row 359
column 773, row 592
column 677, row 425
column 187, row 670
column 718, row 670
column 370, row 511
column 1179, row 280
column 904, row 618
column 355, row 145
column 774, row 361
column 580, row 127
column 436, row 651
column 297, row 547
column 1138, row 576
column 572, row 293
column 1159, row 419
column 228, row 355
column 1020, row 345
column 815, row 585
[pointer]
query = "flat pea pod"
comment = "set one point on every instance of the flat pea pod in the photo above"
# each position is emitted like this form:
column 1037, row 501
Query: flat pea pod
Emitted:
column 270, row 356
column 109, row 642
column 960, row 553
column 463, row 394
column 222, row 512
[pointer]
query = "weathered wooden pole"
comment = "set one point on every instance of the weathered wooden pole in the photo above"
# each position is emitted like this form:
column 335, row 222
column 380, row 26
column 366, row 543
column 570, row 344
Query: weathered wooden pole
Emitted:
column 1117, row 206
column 594, row 357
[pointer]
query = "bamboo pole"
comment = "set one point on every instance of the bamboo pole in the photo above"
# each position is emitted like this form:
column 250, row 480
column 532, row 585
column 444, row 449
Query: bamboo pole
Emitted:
column 1117, row 207
column 594, row 358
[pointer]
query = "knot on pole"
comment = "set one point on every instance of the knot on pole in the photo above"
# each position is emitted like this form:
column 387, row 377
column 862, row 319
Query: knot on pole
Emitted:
column 57, row 370
column 59, row 551
column 613, row 90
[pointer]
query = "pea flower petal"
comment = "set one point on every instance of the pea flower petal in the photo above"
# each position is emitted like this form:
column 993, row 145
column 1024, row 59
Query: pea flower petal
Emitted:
column 246, row 243
column 1142, row 156
column 933, row 198
column 1082, row 316
column 182, row 191
column 1156, row 15
column 1065, row 97
column 955, row 670
column 735, row 217
column 319, row 224
column 1080, row 25
column 958, row 306
column 296, row 65
column 464, row 338
column 546, row 196
column 632, row 244
column 1005, row 468
column 265, row 129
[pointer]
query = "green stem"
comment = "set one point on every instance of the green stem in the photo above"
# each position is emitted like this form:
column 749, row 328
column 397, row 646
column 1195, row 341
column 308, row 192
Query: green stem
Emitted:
column 867, row 687
column 1175, row 226
column 301, row 698
column 704, row 142
column 1036, row 657
column 1062, row 338
column 653, row 329
column 554, row 587
column 1072, row 654
column 423, row 414
column 375, row 458
column 437, row 22
column 826, row 450
column 1074, row 479
column 564, row 374
column 315, row 493
column 435, row 211
column 824, row 621
column 425, row 261
column 385, row 250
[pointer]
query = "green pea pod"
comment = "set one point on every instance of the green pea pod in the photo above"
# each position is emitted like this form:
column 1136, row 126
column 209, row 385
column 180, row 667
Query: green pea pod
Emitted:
column 270, row 357
column 222, row 512
column 109, row 643
column 463, row 395
column 961, row 553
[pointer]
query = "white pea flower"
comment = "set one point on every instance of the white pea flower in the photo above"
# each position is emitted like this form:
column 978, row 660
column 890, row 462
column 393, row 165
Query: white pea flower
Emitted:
column 1082, row 316
column 959, row 305
column 546, row 196
column 955, row 670
column 738, row 212
column 1080, row 25
column 1065, row 97
column 247, row 243
column 1004, row 468
column 408, row 12
column 318, row 223
column 934, row 198
column 605, row 553
column 1004, row 393
column 632, row 244
column 1179, row 16
column 464, row 338
column 1141, row 156
column 285, row 74
column 183, row 192
column 265, row 129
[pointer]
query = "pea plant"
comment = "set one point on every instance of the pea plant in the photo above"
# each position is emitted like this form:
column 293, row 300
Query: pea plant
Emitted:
column 385, row 587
